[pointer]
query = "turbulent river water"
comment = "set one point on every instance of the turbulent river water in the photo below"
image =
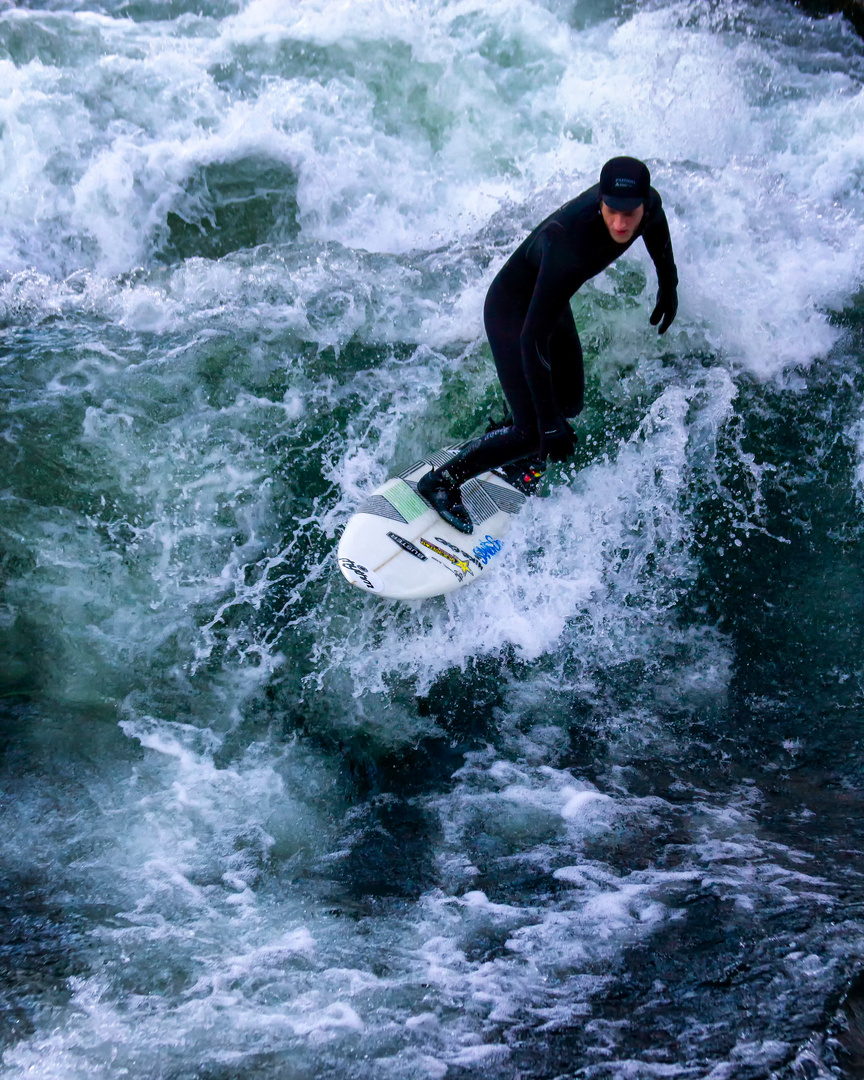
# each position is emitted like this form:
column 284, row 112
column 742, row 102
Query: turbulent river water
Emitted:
column 599, row 815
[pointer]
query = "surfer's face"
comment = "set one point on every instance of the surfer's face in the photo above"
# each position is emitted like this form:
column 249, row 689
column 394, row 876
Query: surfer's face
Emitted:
column 622, row 225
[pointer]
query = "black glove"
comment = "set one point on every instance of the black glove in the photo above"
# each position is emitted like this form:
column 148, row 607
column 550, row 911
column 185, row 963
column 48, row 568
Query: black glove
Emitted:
column 666, row 309
column 559, row 442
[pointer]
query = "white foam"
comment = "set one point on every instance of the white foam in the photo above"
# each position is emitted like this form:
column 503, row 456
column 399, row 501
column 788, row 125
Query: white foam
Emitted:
column 570, row 561
column 762, row 193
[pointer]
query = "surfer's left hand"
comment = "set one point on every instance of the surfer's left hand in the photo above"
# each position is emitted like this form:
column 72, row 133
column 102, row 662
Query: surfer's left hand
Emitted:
column 666, row 307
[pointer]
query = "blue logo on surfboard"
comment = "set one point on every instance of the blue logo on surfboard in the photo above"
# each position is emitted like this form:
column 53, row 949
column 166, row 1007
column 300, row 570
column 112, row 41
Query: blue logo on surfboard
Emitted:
column 487, row 548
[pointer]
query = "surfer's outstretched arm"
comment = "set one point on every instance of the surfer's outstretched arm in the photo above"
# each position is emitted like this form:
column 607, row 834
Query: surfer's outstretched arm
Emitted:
column 659, row 245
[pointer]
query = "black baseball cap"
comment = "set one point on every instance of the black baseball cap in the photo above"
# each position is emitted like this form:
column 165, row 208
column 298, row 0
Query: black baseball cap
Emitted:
column 624, row 183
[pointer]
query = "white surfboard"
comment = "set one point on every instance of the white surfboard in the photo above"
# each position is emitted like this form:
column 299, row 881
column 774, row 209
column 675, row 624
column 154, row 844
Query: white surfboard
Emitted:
column 397, row 546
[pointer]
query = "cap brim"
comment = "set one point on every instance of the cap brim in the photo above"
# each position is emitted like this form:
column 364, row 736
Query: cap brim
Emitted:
column 623, row 205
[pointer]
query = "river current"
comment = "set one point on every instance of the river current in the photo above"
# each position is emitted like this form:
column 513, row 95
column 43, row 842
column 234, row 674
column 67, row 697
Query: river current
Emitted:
column 598, row 816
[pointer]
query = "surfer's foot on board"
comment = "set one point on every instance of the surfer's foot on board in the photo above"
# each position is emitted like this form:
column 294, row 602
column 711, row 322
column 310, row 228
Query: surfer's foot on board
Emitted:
column 444, row 498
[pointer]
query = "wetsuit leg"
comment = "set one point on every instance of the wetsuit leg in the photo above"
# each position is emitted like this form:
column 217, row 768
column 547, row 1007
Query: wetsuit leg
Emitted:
column 504, row 330
column 499, row 447
column 568, row 372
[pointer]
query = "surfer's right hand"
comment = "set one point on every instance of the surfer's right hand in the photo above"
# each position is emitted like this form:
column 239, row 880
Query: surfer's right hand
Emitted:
column 559, row 442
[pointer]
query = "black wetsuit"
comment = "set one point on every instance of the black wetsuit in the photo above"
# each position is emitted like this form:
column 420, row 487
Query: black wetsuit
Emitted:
column 531, row 329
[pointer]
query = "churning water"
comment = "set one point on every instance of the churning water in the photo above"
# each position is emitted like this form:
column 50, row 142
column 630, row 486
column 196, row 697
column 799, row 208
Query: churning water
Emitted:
column 598, row 816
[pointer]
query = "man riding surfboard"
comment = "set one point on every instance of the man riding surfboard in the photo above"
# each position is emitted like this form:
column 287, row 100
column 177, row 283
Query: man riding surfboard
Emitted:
column 530, row 327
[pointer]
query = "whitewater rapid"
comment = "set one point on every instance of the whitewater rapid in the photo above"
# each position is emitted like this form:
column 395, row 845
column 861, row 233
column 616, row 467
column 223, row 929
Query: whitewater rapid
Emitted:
column 572, row 822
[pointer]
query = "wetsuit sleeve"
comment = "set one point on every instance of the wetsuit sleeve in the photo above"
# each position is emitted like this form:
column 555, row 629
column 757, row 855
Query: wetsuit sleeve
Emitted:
column 659, row 245
column 551, row 293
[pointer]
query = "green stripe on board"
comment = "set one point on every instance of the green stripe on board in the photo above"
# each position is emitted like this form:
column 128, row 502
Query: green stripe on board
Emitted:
column 409, row 504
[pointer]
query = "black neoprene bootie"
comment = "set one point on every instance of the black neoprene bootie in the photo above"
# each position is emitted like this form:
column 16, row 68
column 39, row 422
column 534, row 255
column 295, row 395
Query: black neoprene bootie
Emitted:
column 443, row 496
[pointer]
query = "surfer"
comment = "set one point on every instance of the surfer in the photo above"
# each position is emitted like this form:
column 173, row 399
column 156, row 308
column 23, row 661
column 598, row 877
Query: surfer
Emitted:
column 531, row 330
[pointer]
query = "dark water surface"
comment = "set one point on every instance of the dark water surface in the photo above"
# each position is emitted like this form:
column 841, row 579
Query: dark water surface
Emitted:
column 599, row 816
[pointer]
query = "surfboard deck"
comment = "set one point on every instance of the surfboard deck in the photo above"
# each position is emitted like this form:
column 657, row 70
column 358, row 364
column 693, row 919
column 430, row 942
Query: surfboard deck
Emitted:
column 397, row 546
